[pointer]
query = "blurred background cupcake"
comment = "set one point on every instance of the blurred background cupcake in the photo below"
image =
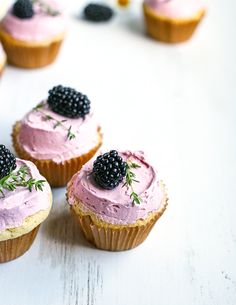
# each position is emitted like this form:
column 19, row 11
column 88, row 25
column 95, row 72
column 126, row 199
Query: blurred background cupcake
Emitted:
column 59, row 135
column 117, row 199
column 172, row 21
column 32, row 32
column 25, row 202
column 123, row 2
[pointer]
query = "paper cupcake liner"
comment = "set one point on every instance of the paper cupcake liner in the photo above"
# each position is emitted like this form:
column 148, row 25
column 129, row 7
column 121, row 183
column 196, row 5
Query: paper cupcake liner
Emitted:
column 57, row 174
column 123, row 2
column 111, row 237
column 26, row 55
column 13, row 248
column 170, row 30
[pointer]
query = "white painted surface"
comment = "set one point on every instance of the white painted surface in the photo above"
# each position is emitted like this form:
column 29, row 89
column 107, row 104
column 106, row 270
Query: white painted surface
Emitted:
column 178, row 103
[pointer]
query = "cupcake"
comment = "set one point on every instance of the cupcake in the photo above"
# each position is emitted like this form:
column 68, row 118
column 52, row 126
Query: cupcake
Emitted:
column 25, row 202
column 59, row 135
column 2, row 59
column 172, row 20
column 117, row 199
column 32, row 32
column 123, row 2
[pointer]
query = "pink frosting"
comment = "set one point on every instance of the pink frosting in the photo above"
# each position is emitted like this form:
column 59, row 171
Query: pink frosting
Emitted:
column 38, row 28
column 21, row 203
column 115, row 206
column 176, row 8
column 41, row 140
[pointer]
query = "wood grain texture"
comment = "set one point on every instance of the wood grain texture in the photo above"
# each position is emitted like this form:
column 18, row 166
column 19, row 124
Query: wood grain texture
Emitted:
column 81, row 277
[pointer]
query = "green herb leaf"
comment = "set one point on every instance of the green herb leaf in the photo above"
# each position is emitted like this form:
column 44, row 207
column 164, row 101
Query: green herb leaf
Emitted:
column 46, row 117
column 130, row 179
column 58, row 123
column 39, row 106
column 135, row 198
column 70, row 134
column 134, row 165
column 18, row 178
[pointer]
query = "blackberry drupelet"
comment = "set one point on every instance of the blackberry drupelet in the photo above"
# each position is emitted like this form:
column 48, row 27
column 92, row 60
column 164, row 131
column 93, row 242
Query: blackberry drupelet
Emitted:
column 23, row 9
column 7, row 161
column 98, row 12
column 68, row 102
column 109, row 170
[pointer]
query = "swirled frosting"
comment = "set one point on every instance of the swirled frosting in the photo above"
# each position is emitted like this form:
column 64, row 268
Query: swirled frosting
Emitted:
column 115, row 206
column 39, row 28
column 176, row 8
column 17, row 205
column 43, row 140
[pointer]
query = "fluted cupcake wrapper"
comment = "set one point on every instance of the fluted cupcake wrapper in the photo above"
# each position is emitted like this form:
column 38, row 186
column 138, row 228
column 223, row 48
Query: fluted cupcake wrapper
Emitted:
column 170, row 30
column 114, row 237
column 13, row 248
column 26, row 55
column 57, row 174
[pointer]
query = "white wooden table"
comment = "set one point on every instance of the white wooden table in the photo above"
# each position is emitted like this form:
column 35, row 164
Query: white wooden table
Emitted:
column 178, row 103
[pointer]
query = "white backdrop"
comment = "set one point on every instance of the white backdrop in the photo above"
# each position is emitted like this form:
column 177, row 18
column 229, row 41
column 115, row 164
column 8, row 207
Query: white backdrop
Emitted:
column 178, row 104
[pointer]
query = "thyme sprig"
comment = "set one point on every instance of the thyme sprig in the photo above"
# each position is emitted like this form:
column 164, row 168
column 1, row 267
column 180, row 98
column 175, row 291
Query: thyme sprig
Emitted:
column 130, row 178
column 39, row 106
column 20, row 177
column 46, row 117
column 45, row 8
column 70, row 134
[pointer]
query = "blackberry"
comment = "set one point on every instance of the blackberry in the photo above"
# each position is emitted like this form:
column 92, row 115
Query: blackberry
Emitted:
column 7, row 161
column 68, row 102
column 23, row 9
column 98, row 12
column 109, row 170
